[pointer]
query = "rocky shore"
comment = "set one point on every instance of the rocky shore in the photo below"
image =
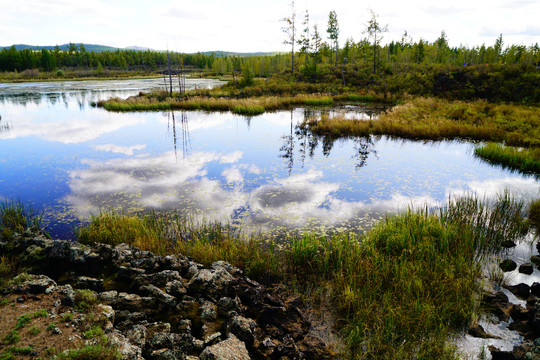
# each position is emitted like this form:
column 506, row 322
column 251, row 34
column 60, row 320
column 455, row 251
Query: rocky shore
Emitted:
column 148, row 306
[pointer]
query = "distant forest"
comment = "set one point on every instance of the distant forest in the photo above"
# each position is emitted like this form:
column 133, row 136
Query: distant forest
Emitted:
column 317, row 56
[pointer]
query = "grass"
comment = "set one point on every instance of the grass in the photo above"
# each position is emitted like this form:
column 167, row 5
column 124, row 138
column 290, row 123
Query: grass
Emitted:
column 16, row 217
column 412, row 281
column 12, row 337
column 402, row 289
column 521, row 159
column 223, row 101
column 162, row 234
column 534, row 212
column 91, row 352
column 437, row 119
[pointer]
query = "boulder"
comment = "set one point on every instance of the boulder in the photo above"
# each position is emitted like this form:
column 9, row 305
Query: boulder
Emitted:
column 230, row 349
column 508, row 265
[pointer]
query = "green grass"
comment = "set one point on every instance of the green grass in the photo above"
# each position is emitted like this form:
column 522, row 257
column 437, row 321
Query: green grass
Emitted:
column 16, row 217
column 206, row 243
column 91, row 352
column 12, row 337
column 521, row 159
column 402, row 289
column 11, row 351
column 412, row 281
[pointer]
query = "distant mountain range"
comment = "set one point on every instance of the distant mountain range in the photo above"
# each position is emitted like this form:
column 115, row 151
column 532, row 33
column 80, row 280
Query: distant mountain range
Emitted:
column 100, row 48
column 88, row 47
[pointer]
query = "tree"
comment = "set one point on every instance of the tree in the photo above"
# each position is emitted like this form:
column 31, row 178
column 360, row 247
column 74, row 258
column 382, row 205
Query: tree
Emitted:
column 374, row 31
column 498, row 47
column 305, row 41
column 442, row 48
column 419, row 52
column 333, row 34
column 290, row 32
column 316, row 42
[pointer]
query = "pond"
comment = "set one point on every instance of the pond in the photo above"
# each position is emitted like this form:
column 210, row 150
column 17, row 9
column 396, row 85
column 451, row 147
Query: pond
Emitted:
column 265, row 173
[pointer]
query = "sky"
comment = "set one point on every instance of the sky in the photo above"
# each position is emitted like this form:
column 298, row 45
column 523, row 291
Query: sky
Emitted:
column 254, row 25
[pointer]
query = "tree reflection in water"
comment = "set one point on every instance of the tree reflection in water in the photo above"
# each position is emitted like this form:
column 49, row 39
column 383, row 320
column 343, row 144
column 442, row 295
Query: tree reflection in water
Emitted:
column 307, row 143
column 4, row 126
column 186, row 141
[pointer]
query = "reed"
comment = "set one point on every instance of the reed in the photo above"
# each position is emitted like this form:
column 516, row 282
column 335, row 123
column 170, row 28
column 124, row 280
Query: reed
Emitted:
column 17, row 217
column 520, row 159
column 403, row 288
column 437, row 119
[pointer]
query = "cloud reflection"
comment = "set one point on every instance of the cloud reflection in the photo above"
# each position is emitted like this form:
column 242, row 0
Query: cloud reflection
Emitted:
column 303, row 201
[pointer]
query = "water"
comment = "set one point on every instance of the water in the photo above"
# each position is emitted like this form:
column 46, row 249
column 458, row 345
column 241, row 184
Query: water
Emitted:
column 265, row 172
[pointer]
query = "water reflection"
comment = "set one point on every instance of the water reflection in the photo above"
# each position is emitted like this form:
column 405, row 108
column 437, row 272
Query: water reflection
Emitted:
column 4, row 126
column 184, row 128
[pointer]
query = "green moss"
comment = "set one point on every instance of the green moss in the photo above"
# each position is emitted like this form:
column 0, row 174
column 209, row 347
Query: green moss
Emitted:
column 12, row 337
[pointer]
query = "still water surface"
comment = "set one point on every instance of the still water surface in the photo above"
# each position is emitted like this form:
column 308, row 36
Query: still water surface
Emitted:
column 265, row 172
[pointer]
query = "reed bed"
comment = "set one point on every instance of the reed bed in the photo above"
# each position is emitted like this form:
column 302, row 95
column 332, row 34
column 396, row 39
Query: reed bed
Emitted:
column 521, row 159
column 244, row 106
column 18, row 217
column 437, row 119
column 403, row 289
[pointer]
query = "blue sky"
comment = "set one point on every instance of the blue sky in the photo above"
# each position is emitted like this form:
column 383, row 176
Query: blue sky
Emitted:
column 254, row 25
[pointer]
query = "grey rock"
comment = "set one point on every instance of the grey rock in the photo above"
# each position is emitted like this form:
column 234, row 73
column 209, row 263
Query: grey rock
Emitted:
column 209, row 311
column 161, row 296
column 167, row 354
column 176, row 288
column 243, row 328
column 128, row 350
column 230, row 349
column 213, row 282
column 85, row 282
column 36, row 284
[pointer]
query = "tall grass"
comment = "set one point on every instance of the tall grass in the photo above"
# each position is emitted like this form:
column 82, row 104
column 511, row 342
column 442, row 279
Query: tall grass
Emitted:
column 534, row 212
column 206, row 242
column 437, row 119
column 524, row 160
column 402, row 289
column 17, row 217
column 411, row 282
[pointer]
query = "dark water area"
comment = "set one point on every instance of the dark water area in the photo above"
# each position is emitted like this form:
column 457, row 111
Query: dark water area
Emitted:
column 266, row 172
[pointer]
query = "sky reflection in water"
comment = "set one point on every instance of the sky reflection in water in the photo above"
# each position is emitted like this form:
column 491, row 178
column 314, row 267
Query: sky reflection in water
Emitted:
column 72, row 160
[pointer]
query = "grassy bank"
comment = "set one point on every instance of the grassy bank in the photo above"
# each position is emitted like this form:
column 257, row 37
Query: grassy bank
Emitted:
column 524, row 160
column 437, row 119
column 402, row 289
column 248, row 106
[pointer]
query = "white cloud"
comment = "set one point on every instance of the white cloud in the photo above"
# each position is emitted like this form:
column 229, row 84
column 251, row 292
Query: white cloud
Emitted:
column 126, row 150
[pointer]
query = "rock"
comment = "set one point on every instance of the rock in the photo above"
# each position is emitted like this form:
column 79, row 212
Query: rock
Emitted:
column 535, row 259
column 137, row 335
column 167, row 354
column 212, row 282
column 35, row 284
column 526, row 268
column 507, row 244
column 508, row 265
column 230, row 349
column 209, row 311
column 499, row 304
column 497, row 354
column 175, row 288
column 226, row 305
column 128, row 350
column 164, row 299
column 243, row 328
column 535, row 289
column 520, row 290
column 159, row 279
column 478, row 331
column 85, row 282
